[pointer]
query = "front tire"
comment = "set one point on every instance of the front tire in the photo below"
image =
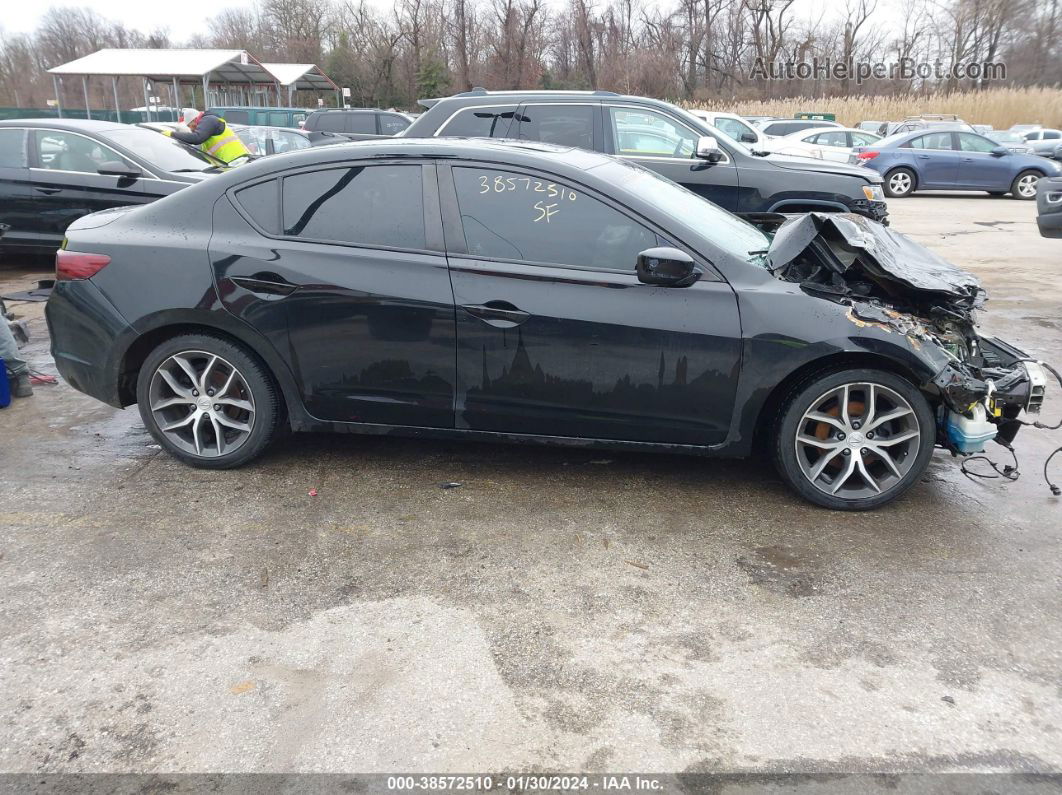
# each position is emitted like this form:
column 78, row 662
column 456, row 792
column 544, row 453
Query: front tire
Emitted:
column 207, row 401
column 1023, row 187
column 855, row 439
column 899, row 183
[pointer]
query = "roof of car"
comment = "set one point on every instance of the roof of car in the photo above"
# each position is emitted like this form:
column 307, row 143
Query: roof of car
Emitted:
column 76, row 125
column 479, row 94
column 470, row 148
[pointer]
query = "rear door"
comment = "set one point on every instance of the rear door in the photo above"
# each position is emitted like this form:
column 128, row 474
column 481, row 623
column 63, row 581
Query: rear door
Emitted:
column 557, row 337
column 19, row 203
column 936, row 160
column 342, row 268
column 665, row 144
column 64, row 172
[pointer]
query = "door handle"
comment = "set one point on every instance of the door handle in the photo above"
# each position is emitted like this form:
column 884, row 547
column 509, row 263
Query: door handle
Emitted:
column 47, row 191
column 923, row 157
column 267, row 283
column 500, row 314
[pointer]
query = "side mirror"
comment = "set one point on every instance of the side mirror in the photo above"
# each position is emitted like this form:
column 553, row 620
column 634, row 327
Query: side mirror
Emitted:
column 748, row 138
column 999, row 151
column 666, row 267
column 115, row 168
column 708, row 149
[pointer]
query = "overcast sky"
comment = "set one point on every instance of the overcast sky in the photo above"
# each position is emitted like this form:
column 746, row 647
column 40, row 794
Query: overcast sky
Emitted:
column 184, row 18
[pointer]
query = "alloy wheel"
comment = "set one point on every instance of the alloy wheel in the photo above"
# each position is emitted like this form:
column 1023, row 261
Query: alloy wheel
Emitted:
column 900, row 183
column 1027, row 185
column 857, row 440
column 202, row 403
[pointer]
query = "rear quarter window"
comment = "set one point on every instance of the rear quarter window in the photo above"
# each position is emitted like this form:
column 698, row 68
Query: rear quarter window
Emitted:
column 262, row 203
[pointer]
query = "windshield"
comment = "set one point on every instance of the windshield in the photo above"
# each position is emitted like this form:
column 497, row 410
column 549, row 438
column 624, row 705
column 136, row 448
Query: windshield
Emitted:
column 160, row 151
column 735, row 236
column 1004, row 137
column 702, row 127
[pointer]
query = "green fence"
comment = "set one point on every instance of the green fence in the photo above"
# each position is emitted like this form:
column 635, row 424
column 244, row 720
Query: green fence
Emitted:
column 128, row 116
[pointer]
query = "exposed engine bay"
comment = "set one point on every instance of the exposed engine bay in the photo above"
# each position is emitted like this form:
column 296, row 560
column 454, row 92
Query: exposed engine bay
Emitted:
column 892, row 283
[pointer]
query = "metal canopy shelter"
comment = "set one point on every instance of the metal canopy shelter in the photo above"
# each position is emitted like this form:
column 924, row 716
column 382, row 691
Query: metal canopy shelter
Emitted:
column 300, row 76
column 236, row 70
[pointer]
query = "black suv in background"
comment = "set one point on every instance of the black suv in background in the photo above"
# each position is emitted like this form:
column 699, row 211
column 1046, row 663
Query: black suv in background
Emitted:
column 358, row 124
column 664, row 138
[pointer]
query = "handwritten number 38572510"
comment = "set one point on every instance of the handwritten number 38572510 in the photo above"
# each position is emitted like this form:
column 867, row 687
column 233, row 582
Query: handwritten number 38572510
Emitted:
column 544, row 211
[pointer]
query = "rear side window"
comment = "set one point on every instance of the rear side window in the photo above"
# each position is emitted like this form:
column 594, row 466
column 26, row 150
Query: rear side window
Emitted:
column 328, row 122
column 565, row 125
column 12, row 148
column 262, row 203
column 939, row 141
column 360, row 122
column 480, row 122
column 787, row 127
column 1052, row 135
column 365, row 205
column 510, row 215
column 237, row 117
column 392, row 123
column 278, row 118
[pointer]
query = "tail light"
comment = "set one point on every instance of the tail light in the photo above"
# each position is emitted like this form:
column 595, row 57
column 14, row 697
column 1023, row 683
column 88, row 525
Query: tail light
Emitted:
column 71, row 265
column 867, row 155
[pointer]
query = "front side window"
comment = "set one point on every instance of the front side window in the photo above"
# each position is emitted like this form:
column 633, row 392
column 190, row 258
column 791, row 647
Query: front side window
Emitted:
column 491, row 122
column 564, row 125
column 975, row 143
column 647, row 133
column 12, row 148
column 518, row 216
column 733, row 128
column 66, row 151
column 362, row 205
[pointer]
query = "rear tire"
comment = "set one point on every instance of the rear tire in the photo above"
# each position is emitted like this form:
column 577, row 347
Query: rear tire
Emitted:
column 853, row 440
column 900, row 183
column 207, row 401
column 1023, row 188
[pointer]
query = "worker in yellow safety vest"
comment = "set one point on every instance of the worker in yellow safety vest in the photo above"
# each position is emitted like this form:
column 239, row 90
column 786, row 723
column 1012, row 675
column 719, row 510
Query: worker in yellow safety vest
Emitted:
column 213, row 135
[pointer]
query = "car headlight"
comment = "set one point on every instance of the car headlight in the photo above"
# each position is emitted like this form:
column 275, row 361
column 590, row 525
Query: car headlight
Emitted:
column 873, row 193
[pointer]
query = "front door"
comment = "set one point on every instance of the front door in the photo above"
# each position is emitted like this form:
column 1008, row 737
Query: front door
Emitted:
column 64, row 172
column 979, row 168
column 664, row 144
column 555, row 334
column 342, row 269
column 19, row 203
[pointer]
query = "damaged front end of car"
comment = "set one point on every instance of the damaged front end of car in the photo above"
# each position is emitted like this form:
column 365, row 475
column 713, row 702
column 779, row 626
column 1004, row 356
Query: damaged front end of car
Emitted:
column 889, row 282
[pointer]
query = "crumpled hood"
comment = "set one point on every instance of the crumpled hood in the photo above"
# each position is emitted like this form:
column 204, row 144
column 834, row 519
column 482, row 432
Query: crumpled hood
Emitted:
column 883, row 253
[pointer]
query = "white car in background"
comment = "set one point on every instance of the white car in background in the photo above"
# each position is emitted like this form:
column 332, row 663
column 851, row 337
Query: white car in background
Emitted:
column 825, row 143
column 733, row 125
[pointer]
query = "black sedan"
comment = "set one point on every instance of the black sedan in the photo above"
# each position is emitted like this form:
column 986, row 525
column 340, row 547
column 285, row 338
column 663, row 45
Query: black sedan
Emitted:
column 53, row 171
column 526, row 292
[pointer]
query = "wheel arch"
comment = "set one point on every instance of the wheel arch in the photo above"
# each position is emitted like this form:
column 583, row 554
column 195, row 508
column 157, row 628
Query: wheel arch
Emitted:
column 906, row 167
column 767, row 416
column 136, row 352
